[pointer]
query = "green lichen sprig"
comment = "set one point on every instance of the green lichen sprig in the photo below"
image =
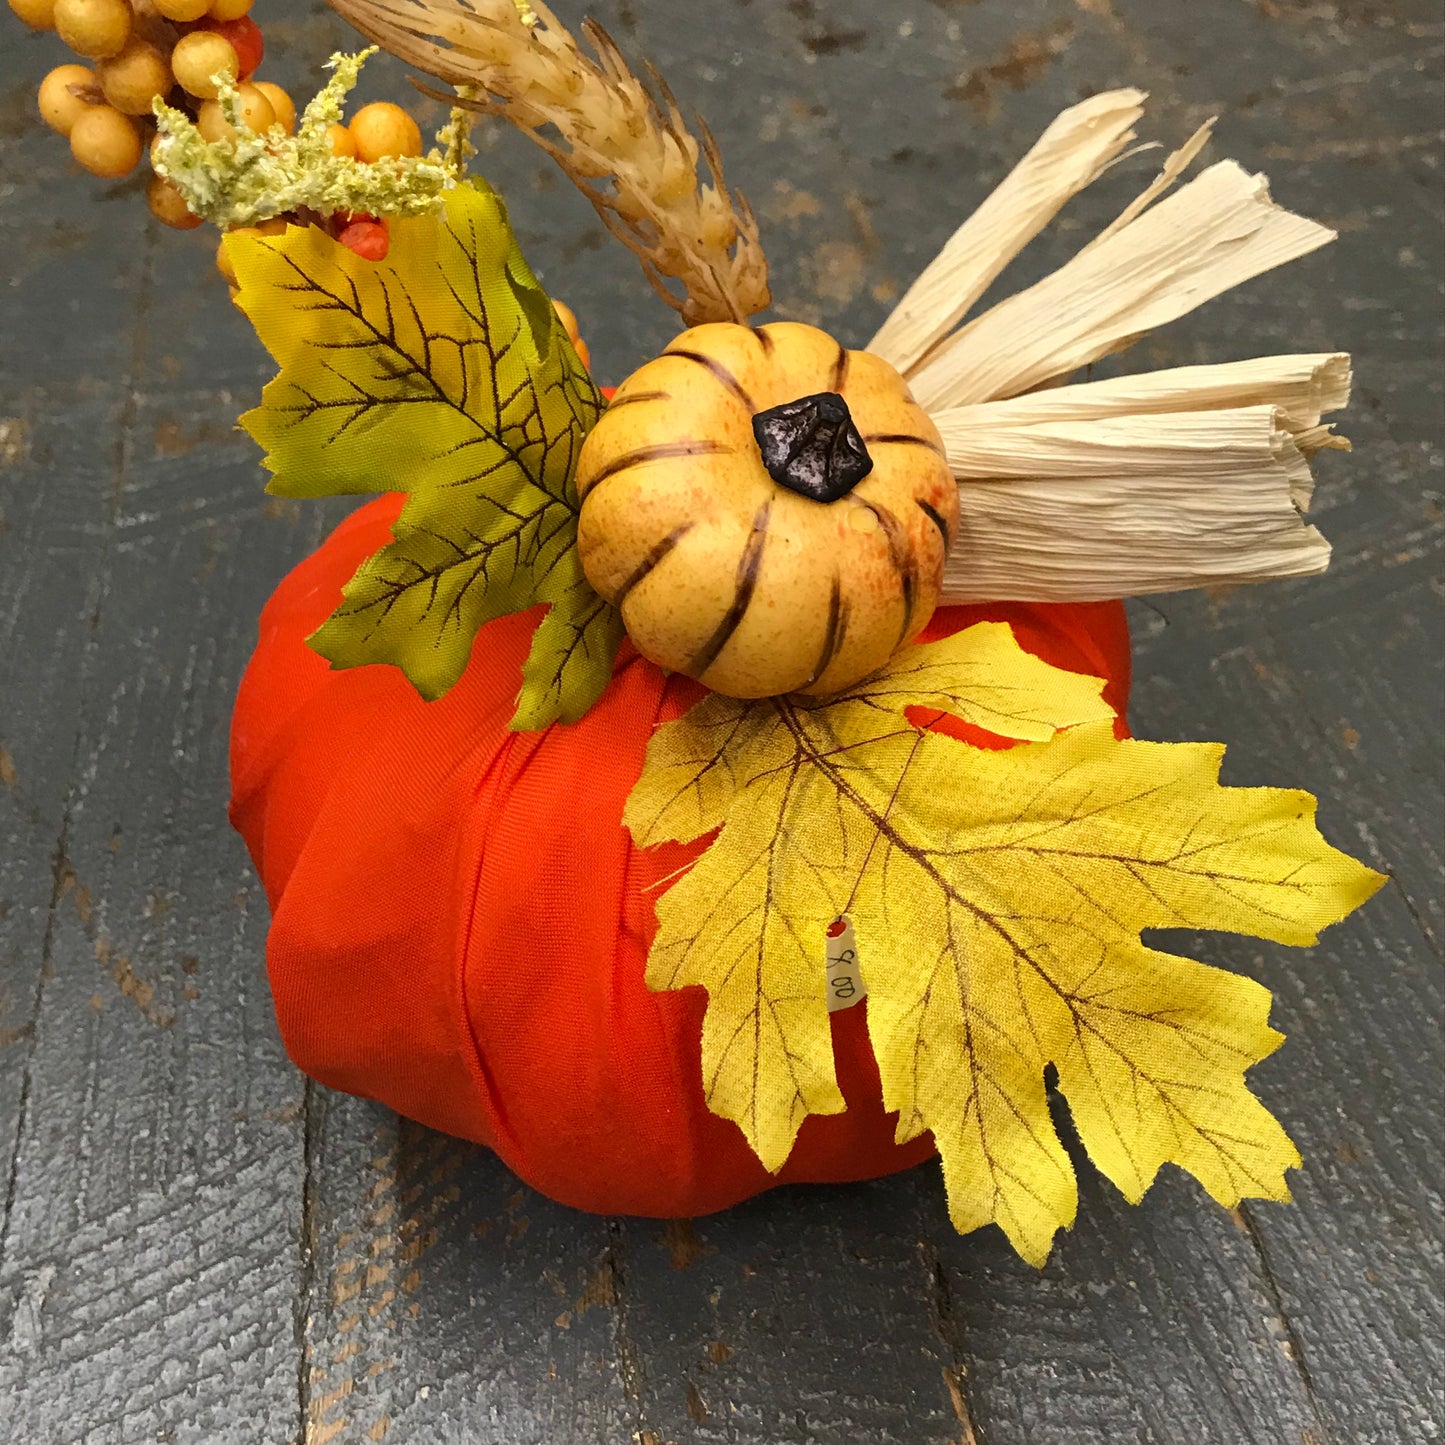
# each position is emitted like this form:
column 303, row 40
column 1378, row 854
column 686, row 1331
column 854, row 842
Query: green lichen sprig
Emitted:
column 252, row 178
column 455, row 137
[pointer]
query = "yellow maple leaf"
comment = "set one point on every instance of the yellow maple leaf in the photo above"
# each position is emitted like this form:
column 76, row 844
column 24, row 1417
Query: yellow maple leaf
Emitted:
column 997, row 900
column 747, row 921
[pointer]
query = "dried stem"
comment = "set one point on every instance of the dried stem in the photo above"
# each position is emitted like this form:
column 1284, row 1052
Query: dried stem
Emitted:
column 629, row 151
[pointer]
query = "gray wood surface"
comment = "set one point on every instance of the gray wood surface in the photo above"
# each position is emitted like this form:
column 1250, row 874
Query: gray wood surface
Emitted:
column 197, row 1245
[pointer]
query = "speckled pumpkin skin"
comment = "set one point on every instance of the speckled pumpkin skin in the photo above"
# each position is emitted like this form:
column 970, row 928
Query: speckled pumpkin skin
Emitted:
column 730, row 578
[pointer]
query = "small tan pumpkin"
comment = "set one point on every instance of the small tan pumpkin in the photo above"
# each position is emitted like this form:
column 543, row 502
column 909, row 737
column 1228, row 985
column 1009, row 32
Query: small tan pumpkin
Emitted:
column 769, row 510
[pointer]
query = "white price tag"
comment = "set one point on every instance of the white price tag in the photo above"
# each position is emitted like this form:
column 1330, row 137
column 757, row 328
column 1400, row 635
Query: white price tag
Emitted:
column 845, row 979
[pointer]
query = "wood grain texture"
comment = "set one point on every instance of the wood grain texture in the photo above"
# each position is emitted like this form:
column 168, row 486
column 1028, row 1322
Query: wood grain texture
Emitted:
column 61, row 411
column 151, row 1233
column 197, row 1246
column 447, row 1302
column 807, row 1316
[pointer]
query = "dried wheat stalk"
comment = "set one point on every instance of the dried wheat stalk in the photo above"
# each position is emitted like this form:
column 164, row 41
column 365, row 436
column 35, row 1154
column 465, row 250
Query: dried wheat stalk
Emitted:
column 631, row 153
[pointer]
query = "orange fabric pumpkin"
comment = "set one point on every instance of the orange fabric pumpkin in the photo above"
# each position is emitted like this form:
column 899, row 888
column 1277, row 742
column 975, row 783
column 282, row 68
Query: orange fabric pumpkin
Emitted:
column 769, row 510
column 460, row 922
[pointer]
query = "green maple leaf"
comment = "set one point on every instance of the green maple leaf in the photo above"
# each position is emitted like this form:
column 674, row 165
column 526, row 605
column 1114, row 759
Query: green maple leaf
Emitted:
column 442, row 372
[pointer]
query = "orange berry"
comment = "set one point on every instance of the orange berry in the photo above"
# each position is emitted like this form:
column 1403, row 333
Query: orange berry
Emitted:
column 568, row 320
column 93, row 28
column 281, row 103
column 37, row 14
column 229, row 9
column 169, row 206
column 105, row 142
column 369, row 239
column 200, row 55
column 341, row 141
column 256, row 114
column 245, row 38
column 276, row 226
column 182, row 10
column 133, row 79
column 60, row 107
column 382, row 129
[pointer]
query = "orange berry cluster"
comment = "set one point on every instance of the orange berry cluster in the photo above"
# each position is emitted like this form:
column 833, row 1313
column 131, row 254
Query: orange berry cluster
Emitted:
column 140, row 50
column 569, row 324
column 143, row 49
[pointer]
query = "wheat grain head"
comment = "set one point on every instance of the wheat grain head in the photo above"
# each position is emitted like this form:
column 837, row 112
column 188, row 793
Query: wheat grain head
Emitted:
column 629, row 150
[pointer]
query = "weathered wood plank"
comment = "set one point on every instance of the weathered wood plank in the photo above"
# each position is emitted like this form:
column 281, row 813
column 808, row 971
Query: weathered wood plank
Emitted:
column 52, row 505
column 1152, row 1324
column 446, row 1301
column 1356, row 1262
column 148, row 1279
column 153, row 1232
column 61, row 406
column 809, row 1315
column 1336, row 685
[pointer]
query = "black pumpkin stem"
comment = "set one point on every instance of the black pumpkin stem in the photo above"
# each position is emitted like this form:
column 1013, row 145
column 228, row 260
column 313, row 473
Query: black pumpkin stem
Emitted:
column 812, row 447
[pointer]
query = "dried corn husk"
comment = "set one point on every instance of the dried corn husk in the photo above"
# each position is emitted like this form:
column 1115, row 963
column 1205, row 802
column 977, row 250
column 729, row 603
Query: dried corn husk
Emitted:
column 1301, row 388
column 1213, row 234
column 1118, row 505
column 1073, row 151
column 1149, row 483
column 1169, row 172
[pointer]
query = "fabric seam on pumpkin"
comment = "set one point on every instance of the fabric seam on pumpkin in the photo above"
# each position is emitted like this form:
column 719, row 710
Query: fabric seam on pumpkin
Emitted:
column 472, row 1049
